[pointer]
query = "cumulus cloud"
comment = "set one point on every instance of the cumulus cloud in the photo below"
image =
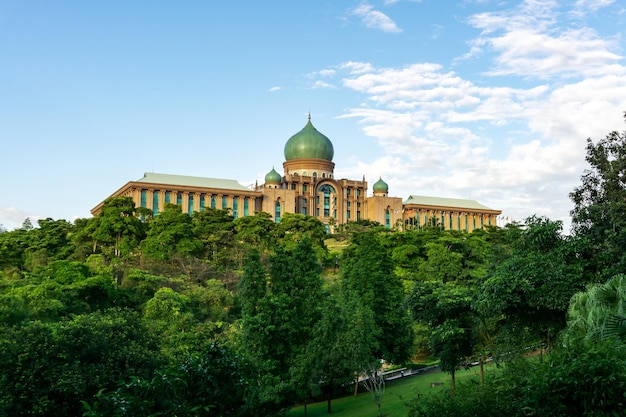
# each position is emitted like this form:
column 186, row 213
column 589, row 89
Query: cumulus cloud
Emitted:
column 518, row 146
column 375, row 19
column 529, row 42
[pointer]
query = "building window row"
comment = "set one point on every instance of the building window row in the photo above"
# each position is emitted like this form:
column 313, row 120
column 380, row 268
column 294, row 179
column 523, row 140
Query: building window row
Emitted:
column 191, row 201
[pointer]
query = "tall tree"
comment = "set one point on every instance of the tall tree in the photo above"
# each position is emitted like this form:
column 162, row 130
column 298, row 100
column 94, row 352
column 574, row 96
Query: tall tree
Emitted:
column 367, row 272
column 445, row 307
column 278, row 320
column 599, row 215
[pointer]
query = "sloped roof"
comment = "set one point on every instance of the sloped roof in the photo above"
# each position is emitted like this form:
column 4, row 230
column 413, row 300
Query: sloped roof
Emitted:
column 184, row 180
column 445, row 202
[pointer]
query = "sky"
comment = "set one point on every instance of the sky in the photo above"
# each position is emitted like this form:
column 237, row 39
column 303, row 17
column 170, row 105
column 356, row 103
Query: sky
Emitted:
column 475, row 99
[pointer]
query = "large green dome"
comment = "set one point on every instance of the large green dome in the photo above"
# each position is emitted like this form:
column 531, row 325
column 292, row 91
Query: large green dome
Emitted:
column 309, row 143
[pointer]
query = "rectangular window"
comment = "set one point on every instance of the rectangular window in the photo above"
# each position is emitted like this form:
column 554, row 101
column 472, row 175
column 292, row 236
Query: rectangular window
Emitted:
column 201, row 202
column 348, row 215
column 303, row 211
column 348, row 204
column 347, row 192
column 245, row 206
column 293, row 185
column 358, row 192
column 179, row 199
column 304, row 201
column 304, row 188
column 190, row 204
column 317, row 212
column 358, row 216
column 224, row 202
column 155, row 202
column 235, row 207
column 213, row 201
column 144, row 197
column 168, row 197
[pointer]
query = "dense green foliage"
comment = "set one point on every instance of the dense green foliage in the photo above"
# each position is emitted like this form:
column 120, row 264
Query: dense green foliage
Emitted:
column 130, row 314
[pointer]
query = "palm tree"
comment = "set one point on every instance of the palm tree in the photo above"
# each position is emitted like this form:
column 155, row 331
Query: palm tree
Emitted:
column 598, row 313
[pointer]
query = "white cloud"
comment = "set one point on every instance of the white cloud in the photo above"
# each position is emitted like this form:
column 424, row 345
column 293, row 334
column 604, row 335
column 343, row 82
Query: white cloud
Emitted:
column 322, row 84
column 12, row 218
column 273, row 89
column 375, row 19
column 529, row 41
column 518, row 146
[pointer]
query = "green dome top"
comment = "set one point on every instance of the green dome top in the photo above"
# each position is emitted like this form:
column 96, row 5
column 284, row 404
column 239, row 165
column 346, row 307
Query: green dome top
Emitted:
column 309, row 143
column 273, row 177
column 380, row 186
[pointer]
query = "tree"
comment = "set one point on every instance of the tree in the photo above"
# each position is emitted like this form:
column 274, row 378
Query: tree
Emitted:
column 215, row 228
column 117, row 229
column 48, row 368
column 278, row 320
column 599, row 215
column 445, row 307
column 213, row 382
column 295, row 227
column 374, row 383
column 599, row 313
column 171, row 235
column 256, row 230
column 530, row 290
column 367, row 272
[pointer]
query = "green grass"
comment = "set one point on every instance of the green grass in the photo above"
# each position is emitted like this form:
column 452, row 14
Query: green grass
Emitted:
column 397, row 393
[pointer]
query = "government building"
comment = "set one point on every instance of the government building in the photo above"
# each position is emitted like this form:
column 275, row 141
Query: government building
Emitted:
column 307, row 186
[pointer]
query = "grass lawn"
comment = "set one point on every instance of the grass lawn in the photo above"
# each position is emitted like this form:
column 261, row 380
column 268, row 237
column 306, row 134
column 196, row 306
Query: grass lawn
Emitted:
column 397, row 392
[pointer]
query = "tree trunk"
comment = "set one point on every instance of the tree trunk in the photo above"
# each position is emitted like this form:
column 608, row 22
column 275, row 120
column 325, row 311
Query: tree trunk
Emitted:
column 482, row 370
column 328, row 409
column 453, row 386
column 356, row 385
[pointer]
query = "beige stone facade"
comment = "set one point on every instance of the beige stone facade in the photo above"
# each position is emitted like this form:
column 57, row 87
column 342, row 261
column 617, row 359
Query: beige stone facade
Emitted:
column 307, row 186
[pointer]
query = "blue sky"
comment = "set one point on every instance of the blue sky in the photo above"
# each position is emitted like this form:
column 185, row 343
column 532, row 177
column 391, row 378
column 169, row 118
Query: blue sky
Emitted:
column 488, row 100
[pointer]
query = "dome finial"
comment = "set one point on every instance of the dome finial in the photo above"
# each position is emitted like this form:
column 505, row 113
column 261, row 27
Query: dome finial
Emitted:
column 309, row 115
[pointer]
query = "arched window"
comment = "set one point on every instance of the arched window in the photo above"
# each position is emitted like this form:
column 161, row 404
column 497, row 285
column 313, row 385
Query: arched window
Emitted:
column 327, row 190
column 315, row 175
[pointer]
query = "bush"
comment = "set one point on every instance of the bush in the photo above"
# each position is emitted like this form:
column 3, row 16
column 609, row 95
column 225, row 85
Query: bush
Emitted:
column 582, row 380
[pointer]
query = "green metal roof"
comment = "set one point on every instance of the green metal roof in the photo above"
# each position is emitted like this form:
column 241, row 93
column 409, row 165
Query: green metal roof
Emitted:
column 183, row 180
column 445, row 202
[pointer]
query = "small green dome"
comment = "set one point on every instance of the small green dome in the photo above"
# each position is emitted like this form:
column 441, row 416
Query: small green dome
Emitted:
column 273, row 177
column 380, row 186
column 309, row 143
